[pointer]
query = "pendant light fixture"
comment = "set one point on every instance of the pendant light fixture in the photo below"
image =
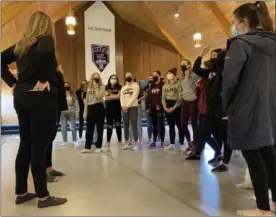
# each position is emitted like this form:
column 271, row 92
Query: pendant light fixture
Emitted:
column 70, row 22
column 197, row 39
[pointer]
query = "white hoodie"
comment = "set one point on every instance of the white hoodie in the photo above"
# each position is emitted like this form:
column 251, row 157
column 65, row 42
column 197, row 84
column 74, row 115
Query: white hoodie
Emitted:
column 129, row 95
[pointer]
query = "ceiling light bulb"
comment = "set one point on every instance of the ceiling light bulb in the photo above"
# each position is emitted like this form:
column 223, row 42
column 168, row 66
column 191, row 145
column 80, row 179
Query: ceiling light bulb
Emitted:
column 70, row 20
column 197, row 36
column 176, row 14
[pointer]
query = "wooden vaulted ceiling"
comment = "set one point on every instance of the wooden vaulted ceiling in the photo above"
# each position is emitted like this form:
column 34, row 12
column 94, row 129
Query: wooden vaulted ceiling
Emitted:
column 212, row 19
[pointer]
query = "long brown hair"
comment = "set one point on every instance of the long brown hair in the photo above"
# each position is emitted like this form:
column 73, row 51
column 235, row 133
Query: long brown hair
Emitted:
column 39, row 25
column 91, row 80
column 257, row 15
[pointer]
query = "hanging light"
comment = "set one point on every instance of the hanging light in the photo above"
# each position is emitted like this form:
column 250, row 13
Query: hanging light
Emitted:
column 176, row 14
column 70, row 22
column 197, row 39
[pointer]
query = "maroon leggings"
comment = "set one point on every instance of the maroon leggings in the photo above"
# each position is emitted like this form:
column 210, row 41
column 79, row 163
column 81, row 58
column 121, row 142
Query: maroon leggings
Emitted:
column 189, row 109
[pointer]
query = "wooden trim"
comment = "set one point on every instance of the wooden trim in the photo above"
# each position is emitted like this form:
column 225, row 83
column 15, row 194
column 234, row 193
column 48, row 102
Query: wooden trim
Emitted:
column 218, row 14
column 162, row 28
column 12, row 10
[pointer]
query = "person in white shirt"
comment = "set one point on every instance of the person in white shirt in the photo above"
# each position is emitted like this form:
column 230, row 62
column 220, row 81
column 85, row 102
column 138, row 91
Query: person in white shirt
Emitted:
column 129, row 104
column 94, row 113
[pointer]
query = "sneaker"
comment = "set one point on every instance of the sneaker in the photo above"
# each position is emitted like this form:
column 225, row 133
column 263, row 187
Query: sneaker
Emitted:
column 80, row 142
column 126, row 146
column 51, row 201
column 245, row 185
column 220, row 168
column 182, row 148
column 254, row 212
column 162, row 145
column 152, row 145
column 54, row 172
column 84, row 151
column 51, row 179
column 188, row 149
column 98, row 150
column 170, row 147
column 135, row 148
column 193, row 157
column 25, row 198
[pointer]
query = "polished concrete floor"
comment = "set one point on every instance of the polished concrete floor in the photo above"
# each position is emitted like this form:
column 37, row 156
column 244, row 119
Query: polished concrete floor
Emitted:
column 145, row 183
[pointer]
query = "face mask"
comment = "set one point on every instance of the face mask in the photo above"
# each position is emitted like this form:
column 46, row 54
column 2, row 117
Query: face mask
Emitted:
column 170, row 76
column 184, row 68
column 97, row 80
column 129, row 79
column 234, row 31
column 113, row 81
column 67, row 88
column 155, row 79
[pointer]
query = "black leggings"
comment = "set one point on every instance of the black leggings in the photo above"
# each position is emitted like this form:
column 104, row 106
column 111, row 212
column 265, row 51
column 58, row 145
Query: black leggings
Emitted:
column 81, row 122
column 37, row 116
column 262, row 169
column 174, row 120
column 95, row 117
column 208, row 125
column 114, row 115
column 158, row 124
column 50, row 146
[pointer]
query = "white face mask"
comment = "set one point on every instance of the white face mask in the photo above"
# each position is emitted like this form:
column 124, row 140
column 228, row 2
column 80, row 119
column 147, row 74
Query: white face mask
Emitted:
column 170, row 76
column 113, row 81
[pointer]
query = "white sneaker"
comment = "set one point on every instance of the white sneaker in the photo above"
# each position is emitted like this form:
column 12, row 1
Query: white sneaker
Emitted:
column 170, row 147
column 84, row 151
column 126, row 146
column 80, row 141
column 98, row 150
column 182, row 148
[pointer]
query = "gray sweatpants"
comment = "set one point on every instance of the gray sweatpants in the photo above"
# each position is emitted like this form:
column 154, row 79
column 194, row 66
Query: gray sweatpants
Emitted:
column 139, row 125
column 70, row 116
column 131, row 118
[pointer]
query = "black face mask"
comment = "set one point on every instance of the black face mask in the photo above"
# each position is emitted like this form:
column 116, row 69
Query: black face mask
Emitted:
column 210, row 63
column 129, row 79
column 155, row 79
column 184, row 68
column 97, row 80
column 67, row 88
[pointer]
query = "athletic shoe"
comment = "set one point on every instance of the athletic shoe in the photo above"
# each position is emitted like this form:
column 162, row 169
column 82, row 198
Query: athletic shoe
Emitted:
column 162, row 145
column 80, row 141
column 126, row 146
column 25, row 198
column 245, row 185
column 170, row 147
column 98, row 150
column 188, row 149
column 220, row 168
column 193, row 157
column 51, row 201
column 84, row 151
column 135, row 148
column 152, row 145
column 215, row 160
column 182, row 148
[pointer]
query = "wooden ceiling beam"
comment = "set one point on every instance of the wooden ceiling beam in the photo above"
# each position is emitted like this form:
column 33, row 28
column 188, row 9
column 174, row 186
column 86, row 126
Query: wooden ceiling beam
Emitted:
column 218, row 14
column 12, row 10
column 162, row 28
column 62, row 12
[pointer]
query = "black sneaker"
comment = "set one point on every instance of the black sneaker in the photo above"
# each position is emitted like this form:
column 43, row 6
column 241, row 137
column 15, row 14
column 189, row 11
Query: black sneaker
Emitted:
column 220, row 168
column 51, row 201
column 152, row 145
column 25, row 198
column 215, row 160
column 193, row 157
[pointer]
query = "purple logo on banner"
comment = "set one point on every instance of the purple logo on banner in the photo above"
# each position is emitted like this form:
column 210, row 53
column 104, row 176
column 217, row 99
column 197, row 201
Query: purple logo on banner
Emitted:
column 100, row 56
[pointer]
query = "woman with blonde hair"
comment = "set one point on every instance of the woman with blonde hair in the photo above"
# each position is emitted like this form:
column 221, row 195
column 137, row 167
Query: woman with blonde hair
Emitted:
column 94, row 113
column 35, row 102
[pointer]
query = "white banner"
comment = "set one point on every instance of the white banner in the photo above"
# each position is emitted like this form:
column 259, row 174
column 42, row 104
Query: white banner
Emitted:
column 99, row 25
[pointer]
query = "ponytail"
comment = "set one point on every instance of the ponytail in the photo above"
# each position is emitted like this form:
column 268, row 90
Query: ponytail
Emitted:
column 264, row 18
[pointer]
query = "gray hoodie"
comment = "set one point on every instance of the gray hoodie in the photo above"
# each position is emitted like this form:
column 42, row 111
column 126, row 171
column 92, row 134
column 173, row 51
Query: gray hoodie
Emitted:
column 248, row 90
column 172, row 92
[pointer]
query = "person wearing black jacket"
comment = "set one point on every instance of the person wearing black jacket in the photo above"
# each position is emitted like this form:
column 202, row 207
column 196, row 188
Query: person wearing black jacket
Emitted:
column 52, row 174
column 35, row 102
column 81, row 96
column 212, row 123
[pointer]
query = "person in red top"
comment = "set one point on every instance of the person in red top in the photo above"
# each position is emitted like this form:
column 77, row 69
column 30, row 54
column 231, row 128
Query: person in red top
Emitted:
column 156, row 111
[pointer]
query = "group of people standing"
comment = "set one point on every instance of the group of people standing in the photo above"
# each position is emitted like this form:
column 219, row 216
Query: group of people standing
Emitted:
column 229, row 99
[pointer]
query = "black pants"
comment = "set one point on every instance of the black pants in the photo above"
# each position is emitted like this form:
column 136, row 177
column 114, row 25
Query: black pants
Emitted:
column 208, row 126
column 37, row 115
column 95, row 117
column 158, row 123
column 262, row 169
column 49, row 151
column 81, row 122
column 223, row 141
column 114, row 115
column 174, row 120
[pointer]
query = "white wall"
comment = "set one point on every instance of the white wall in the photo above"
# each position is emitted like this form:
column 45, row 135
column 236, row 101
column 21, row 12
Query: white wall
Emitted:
column 99, row 25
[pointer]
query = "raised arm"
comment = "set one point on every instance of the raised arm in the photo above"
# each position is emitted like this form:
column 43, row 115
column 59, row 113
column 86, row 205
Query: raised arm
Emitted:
column 7, row 57
column 200, row 71
column 45, row 52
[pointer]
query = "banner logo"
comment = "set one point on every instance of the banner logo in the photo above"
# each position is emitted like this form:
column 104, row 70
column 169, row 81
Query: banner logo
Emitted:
column 100, row 56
